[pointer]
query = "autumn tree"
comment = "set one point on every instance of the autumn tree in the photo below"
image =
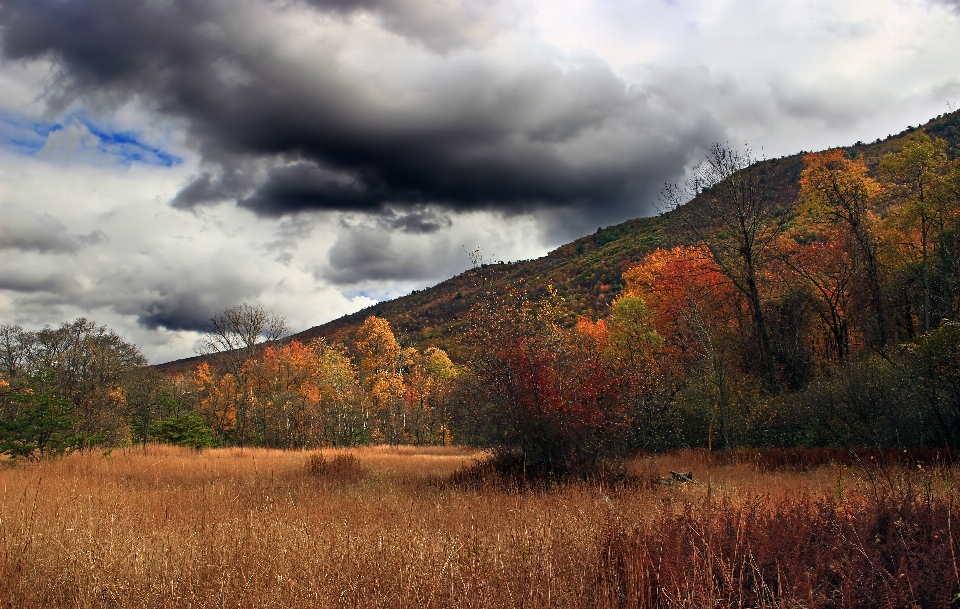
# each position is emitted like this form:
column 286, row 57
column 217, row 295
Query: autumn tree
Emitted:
column 918, row 175
column 428, row 378
column 235, row 336
column 737, row 222
column 650, row 373
column 816, row 255
column 380, row 366
column 341, row 404
column 696, row 311
column 838, row 190
column 544, row 397
column 915, row 172
column 281, row 387
column 217, row 398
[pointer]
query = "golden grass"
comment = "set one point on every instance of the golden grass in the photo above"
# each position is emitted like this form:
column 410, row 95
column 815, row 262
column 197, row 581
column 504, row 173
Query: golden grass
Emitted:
column 168, row 527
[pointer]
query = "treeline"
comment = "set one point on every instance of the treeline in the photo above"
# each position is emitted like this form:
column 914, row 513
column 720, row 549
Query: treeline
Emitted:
column 82, row 385
column 830, row 319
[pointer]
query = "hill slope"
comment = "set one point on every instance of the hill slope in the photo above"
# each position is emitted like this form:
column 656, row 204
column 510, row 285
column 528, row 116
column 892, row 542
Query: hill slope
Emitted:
column 586, row 273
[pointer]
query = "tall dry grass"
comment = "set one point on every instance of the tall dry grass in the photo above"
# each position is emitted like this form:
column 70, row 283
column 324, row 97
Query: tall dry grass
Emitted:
column 166, row 527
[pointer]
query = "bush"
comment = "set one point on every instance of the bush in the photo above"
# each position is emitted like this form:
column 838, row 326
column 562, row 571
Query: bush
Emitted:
column 545, row 399
column 344, row 466
column 36, row 422
column 187, row 429
column 890, row 547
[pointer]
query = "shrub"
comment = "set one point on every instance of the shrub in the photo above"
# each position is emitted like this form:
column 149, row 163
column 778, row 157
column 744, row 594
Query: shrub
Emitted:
column 36, row 422
column 892, row 547
column 344, row 466
column 187, row 429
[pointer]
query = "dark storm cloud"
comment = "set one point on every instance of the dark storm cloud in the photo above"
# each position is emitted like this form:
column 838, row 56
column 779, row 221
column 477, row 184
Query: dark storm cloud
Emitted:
column 440, row 25
column 304, row 186
column 361, row 255
column 467, row 130
column 178, row 312
column 24, row 230
column 417, row 221
column 182, row 299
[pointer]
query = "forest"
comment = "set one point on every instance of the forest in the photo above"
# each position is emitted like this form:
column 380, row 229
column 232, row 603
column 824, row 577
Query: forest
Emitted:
column 827, row 318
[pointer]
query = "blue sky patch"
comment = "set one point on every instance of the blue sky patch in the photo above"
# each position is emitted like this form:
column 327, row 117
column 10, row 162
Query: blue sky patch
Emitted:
column 77, row 137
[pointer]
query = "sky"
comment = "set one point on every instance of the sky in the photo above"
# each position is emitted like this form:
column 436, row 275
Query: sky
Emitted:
column 162, row 160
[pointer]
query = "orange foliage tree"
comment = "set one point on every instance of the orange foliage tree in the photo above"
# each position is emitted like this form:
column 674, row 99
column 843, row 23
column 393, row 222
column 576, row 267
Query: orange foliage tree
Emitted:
column 838, row 190
column 697, row 312
column 817, row 256
column 546, row 398
column 283, row 393
column 217, row 398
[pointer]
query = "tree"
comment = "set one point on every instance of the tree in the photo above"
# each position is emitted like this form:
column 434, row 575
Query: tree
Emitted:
column 817, row 256
column 917, row 170
column 146, row 399
column 34, row 421
column 738, row 223
column 695, row 311
column 837, row 189
column 544, row 398
column 238, row 333
column 282, row 390
column 341, row 401
column 16, row 350
column 236, row 336
column 218, row 397
column 184, row 429
column 650, row 373
column 380, row 369
column 87, row 364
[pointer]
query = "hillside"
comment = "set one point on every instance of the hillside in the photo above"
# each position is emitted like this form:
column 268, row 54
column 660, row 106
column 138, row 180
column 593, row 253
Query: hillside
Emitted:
column 587, row 272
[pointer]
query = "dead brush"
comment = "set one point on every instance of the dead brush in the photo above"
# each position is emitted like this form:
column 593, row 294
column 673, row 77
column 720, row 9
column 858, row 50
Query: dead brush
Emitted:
column 889, row 545
column 343, row 466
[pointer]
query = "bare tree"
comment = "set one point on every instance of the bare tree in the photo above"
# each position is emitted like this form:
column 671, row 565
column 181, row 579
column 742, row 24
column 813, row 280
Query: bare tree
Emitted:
column 236, row 336
column 736, row 220
column 238, row 333
column 16, row 348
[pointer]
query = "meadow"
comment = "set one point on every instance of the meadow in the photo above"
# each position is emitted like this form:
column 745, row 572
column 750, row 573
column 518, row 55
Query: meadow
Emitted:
column 400, row 527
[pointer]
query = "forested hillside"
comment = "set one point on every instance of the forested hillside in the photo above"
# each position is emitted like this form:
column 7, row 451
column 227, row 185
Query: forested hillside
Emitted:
column 588, row 273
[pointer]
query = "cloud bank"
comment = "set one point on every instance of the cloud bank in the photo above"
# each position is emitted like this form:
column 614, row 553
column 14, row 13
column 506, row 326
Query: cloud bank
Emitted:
column 440, row 107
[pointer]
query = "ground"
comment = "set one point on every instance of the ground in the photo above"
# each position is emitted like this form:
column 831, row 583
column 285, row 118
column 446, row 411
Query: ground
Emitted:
column 386, row 527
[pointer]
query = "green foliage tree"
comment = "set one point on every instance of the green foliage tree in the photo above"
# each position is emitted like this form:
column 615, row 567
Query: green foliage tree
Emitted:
column 186, row 429
column 148, row 397
column 82, row 362
column 34, row 422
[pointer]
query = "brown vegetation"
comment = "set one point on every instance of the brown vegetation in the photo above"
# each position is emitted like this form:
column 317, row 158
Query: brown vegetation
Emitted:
column 371, row 527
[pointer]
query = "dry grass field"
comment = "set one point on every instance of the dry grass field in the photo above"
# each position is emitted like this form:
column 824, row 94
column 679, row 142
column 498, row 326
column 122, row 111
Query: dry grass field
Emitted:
column 380, row 527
